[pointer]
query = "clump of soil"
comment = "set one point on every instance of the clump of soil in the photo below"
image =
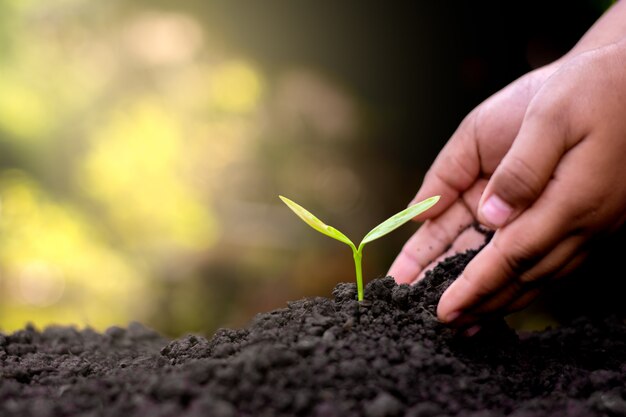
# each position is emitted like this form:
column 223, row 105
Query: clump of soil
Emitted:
column 385, row 357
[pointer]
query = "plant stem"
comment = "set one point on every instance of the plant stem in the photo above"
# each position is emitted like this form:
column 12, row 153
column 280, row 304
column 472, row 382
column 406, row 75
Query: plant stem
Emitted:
column 358, row 255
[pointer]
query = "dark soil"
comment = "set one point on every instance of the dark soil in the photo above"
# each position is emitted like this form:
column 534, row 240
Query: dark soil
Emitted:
column 385, row 357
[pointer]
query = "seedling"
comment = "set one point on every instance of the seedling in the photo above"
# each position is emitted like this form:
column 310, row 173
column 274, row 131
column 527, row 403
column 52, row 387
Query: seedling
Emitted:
column 381, row 230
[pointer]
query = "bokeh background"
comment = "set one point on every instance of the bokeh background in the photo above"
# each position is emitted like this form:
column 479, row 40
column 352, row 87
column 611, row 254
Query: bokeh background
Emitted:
column 143, row 144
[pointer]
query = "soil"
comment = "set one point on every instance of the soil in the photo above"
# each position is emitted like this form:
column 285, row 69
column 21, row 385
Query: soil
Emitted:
column 385, row 357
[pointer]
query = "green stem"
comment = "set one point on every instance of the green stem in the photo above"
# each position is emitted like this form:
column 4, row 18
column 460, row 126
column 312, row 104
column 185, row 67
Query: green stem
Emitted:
column 358, row 255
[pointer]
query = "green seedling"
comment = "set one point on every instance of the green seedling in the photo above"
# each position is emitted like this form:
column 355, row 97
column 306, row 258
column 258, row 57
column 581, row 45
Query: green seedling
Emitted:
column 381, row 230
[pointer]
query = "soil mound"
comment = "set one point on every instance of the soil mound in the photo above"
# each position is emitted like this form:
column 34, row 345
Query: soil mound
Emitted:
column 385, row 357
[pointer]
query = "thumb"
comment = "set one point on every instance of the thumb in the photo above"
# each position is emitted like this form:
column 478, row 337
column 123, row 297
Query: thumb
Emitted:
column 525, row 170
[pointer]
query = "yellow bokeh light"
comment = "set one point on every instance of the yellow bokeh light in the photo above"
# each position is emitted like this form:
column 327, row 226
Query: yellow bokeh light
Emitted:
column 56, row 264
column 23, row 113
column 134, row 169
column 130, row 136
column 236, row 87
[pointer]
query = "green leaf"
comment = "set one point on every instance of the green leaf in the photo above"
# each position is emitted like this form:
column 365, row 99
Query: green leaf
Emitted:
column 316, row 223
column 399, row 219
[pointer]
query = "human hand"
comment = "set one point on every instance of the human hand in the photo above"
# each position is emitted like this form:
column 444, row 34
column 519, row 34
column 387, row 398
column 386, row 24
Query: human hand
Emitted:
column 540, row 162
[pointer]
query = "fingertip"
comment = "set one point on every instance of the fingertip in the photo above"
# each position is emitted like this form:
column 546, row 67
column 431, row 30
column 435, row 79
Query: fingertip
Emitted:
column 458, row 299
column 472, row 330
column 449, row 308
column 403, row 270
column 449, row 317
column 494, row 211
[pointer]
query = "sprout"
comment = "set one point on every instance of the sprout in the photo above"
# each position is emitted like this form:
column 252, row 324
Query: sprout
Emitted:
column 381, row 230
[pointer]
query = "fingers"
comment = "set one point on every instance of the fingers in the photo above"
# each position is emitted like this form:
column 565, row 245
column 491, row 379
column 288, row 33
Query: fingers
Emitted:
column 516, row 295
column 470, row 238
column 528, row 295
column 557, row 186
column 436, row 236
column 529, row 164
column 479, row 144
column 432, row 239
column 509, row 296
column 548, row 240
column 523, row 301
column 513, row 252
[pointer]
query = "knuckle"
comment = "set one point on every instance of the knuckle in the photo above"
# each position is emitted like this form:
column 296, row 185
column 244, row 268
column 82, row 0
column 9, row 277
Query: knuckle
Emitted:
column 479, row 287
column 529, row 278
column 458, row 164
column 523, row 301
column 509, row 264
column 409, row 254
column 458, row 173
column 553, row 112
column 438, row 234
column 517, row 182
column 516, row 256
column 589, row 216
column 548, row 109
column 479, row 122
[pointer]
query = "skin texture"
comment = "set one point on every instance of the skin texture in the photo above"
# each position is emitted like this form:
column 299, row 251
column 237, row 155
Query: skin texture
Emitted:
column 541, row 163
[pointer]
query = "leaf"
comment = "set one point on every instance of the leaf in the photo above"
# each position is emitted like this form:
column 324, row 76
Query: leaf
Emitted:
column 316, row 223
column 399, row 219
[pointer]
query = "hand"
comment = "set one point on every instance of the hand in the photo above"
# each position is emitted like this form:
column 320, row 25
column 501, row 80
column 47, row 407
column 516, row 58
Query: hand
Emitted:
column 540, row 162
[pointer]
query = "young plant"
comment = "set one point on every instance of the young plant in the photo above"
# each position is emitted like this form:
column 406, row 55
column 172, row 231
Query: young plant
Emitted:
column 382, row 229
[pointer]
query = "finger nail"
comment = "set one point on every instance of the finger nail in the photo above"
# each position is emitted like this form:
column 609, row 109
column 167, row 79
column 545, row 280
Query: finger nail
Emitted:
column 496, row 211
column 452, row 316
column 472, row 330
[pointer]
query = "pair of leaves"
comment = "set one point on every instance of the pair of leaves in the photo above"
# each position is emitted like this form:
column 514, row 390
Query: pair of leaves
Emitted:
column 381, row 230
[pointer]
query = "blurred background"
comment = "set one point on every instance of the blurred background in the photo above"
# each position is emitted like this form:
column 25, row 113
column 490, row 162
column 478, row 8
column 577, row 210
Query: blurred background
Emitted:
column 143, row 144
